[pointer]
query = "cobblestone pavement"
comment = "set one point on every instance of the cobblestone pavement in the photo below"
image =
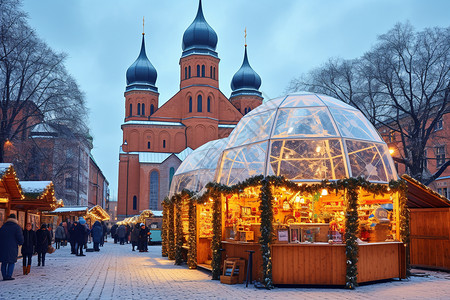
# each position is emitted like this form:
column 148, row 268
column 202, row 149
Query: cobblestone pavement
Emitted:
column 118, row 273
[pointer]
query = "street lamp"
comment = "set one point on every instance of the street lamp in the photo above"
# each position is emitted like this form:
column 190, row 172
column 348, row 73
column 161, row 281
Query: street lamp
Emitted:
column 391, row 151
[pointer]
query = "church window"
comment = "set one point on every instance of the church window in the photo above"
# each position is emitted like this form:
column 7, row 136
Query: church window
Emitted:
column 139, row 109
column 171, row 173
column 245, row 110
column 198, row 70
column 190, row 104
column 185, row 73
column 143, row 109
column 154, row 187
column 214, row 73
column 134, row 203
column 131, row 109
column 208, row 104
column 189, row 71
column 152, row 109
column 199, row 103
column 203, row 70
column 164, row 143
column 210, row 72
column 148, row 145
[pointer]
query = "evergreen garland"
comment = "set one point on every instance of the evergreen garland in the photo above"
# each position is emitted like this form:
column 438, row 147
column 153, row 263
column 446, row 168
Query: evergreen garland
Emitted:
column 266, row 232
column 192, row 242
column 217, row 234
column 179, row 231
column 171, row 230
column 164, row 231
column 351, row 230
column 404, row 225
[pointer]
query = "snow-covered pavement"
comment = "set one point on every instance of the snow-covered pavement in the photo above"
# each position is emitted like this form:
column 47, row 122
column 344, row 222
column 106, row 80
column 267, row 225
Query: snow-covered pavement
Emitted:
column 118, row 273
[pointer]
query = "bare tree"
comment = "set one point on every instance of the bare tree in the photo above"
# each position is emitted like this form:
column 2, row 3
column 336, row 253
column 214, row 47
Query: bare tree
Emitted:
column 402, row 83
column 34, row 83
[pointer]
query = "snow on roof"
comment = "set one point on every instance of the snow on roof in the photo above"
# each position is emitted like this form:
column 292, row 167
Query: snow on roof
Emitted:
column 70, row 209
column 227, row 126
column 4, row 167
column 43, row 128
column 34, row 187
column 157, row 213
column 160, row 123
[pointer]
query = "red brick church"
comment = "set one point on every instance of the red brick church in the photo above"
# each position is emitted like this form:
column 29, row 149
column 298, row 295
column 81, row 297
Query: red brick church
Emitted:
column 156, row 139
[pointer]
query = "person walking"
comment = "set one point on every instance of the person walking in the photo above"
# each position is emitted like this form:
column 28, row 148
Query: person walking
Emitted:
column 97, row 235
column 105, row 232
column 66, row 227
column 114, row 232
column 143, row 238
column 43, row 240
column 28, row 247
column 80, row 236
column 135, row 236
column 60, row 235
column 72, row 237
column 121, row 233
column 11, row 236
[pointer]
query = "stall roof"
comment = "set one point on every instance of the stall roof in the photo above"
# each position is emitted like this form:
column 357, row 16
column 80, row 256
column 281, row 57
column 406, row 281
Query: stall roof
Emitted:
column 98, row 213
column 157, row 213
column 9, row 187
column 30, row 188
column 38, row 195
column 68, row 210
column 421, row 196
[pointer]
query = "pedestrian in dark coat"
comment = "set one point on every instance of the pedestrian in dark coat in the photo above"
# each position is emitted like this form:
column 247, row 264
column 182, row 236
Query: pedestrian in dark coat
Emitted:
column 127, row 236
column 11, row 237
column 143, row 238
column 105, row 232
column 43, row 240
column 28, row 247
column 135, row 236
column 114, row 232
column 72, row 238
column 60, row 235
column 121, row 234
column 97, row 235
column 81, row 233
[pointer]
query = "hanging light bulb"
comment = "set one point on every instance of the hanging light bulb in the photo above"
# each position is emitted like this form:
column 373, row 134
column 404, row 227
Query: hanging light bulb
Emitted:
column 324, row 192
column 302, row 200
column 318, row 148
column 297, row 199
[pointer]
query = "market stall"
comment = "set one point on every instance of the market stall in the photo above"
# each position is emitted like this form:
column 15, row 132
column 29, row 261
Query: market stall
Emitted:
column 195, row 219
column 68, row 213
column 9, row 190
column 307, row 183
column 39, row 196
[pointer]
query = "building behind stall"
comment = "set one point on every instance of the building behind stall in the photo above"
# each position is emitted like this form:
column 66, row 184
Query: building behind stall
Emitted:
column 157, row 138
column 98, row 193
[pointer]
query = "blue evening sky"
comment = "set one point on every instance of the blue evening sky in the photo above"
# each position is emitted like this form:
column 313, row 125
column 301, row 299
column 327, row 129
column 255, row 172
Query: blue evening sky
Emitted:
column 285, row 39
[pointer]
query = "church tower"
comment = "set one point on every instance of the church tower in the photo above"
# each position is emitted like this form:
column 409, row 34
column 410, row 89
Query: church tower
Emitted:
column 245, row 85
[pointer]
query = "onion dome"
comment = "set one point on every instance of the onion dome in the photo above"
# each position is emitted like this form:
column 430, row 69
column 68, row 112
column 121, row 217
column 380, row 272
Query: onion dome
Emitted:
column 141, row 75
column 199, row 37
column 246, row 81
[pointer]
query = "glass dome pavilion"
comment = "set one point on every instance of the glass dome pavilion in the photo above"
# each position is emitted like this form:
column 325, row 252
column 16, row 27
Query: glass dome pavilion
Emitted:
column 198, row 168
column 305, row 137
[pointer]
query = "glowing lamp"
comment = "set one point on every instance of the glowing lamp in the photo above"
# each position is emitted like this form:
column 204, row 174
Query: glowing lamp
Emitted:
column 324, row 192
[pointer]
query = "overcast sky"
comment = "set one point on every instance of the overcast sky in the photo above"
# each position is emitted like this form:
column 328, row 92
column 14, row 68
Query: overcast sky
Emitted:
column 285, row 39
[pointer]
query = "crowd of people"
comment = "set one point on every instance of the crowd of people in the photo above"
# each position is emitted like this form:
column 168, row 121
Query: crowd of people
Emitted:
column 138, row 235
column 76, row 234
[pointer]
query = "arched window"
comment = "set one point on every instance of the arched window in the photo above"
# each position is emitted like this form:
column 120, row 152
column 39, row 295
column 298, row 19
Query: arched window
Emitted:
column 164, row 143
column 152, row 109
column 198, row 70
column 131, row 109
column 154, row 189
column 190, row 104
column 199, row 103
column 143, row 109
column 148, row 145
column 185, row 73
column 210, row 72
column 248, row 110
column 214, row 73
column 134, row 203
column 139, row 109
column 189, row 71
column 203, row 70
column 208, row 104
column 245, row 110
column 171, row 173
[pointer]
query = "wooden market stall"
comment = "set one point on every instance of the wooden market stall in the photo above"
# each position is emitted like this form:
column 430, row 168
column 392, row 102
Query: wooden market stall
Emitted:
column 430, row 226
column 10, row 190
column 39, row 196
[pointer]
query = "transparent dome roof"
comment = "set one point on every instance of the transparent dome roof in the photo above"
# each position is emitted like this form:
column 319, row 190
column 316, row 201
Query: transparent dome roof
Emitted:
column 305, row 137
column 198, row 168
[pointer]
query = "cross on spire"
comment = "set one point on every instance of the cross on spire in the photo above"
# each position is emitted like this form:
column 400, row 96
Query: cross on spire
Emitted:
column 143, row 26
column 245, row 36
